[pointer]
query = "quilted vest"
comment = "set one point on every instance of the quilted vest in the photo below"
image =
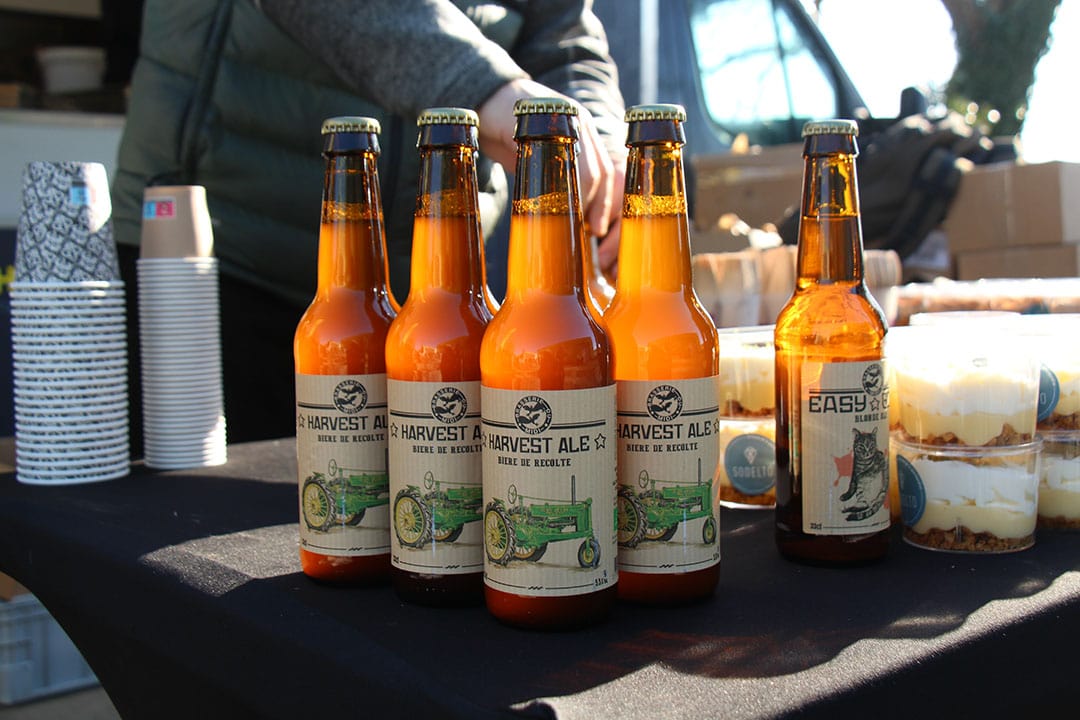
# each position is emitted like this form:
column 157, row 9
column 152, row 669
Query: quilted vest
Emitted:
column 222, row 97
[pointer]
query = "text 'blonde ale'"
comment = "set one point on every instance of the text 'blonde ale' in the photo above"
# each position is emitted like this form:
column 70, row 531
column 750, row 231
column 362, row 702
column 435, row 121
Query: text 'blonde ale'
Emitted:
column 548, row 401
column 433, row 376
column 832, row 442
column 667, row 373
column 341, row 428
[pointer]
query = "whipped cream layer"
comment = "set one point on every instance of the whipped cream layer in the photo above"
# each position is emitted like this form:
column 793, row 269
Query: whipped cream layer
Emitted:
column 996, row 499
column 747, row 374
column 1059, row 484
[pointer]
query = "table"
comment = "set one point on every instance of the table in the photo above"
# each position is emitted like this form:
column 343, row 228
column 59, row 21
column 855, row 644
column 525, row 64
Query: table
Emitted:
column 183, row 591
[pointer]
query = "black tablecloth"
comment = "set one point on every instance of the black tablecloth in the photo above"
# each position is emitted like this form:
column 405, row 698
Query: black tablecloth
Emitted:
column 184, row 593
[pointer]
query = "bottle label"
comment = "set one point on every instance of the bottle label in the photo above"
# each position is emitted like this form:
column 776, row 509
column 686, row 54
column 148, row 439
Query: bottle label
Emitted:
column 435, row 477
column 341, row 439
column 549, row 490
column 844, row 448
column 668, row 516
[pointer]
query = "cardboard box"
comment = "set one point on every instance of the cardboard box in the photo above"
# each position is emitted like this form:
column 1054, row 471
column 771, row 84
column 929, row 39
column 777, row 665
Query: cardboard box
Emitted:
column 1036, row 261
column 758, row 187
column 978, row 217
column 1015, row 205
column 1046, row 204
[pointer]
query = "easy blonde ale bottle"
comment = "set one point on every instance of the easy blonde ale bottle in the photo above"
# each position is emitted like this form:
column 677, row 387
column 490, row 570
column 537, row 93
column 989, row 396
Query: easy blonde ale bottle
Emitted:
column 548, row 401
column 341, row 428
column 433, row 376
column 832, row 425
column 667, row 375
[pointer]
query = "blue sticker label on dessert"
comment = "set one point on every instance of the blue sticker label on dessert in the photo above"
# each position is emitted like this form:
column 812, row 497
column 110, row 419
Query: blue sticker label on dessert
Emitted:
column 912, row 491
column 1049, row 393
column 750, row 462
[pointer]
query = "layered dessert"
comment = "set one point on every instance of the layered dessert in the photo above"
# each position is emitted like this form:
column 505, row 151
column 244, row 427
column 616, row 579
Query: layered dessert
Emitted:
column 1056, row 341
column 746, row 473
column 966, row 500
column 965, row 438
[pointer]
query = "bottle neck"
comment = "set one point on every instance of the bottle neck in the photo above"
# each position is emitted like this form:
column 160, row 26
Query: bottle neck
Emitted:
column 447, row 251
column 352, row 239
column 830, row 233
column 545, row 224
column 654, row 251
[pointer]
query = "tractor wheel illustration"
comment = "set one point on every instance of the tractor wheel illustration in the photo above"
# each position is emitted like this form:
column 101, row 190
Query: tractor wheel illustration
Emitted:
column 661, row 533
column 356, row 518
column 708, row 531
column 532, row 554
column 588, row 555
column 441, row 533
column 317, row 504
column 631, row 518
column 412, row 522
column 499, row 541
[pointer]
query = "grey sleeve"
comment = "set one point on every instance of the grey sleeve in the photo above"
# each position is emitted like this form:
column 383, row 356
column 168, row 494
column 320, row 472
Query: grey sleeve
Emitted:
column 404, row 55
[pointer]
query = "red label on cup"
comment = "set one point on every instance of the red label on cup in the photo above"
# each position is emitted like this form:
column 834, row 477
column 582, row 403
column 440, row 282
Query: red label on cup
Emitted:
column 158, row 209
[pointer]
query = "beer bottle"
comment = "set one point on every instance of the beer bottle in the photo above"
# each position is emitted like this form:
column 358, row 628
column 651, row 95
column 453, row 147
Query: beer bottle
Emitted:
column 547, row 400
column 433, row 376
column 832, row 419
column 667, row 377
column 341, row 371
column 599, row 290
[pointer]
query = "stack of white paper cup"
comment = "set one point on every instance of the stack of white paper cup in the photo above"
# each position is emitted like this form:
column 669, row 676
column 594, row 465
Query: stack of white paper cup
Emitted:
column 69, row 342
column 179, row 331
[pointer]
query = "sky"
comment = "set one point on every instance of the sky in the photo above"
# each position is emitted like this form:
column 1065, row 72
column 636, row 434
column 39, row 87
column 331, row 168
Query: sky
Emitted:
column 913, row 45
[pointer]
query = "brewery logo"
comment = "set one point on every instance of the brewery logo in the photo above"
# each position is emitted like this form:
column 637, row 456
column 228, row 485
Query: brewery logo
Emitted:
column 532, row 415
column 664, row 403
column 350, row 397
column 448, row 405
column 873, row 379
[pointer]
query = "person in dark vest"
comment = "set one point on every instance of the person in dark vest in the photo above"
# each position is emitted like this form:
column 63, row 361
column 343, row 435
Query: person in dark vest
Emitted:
column 230, row 94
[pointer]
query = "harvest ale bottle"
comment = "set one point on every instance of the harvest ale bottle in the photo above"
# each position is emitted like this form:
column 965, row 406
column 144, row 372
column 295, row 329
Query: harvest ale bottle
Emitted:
column 341, row 428
column 548, row 401
column 433, row 376
column 667, row 376
column 832, row 470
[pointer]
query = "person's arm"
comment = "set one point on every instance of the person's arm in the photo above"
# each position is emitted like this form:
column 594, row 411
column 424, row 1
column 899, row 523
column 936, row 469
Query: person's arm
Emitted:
column 405, row 55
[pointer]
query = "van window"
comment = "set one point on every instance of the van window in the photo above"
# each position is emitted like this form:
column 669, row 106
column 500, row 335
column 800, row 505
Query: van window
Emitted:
column 759, row 74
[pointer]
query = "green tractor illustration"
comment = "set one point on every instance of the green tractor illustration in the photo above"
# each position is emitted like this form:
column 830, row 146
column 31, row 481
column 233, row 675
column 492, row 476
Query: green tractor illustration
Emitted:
column 438, row 514
column 655, row 514
column 515, row 531
column 342, row 495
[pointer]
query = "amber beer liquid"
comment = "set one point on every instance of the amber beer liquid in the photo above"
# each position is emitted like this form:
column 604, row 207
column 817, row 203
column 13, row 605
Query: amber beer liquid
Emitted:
column 433, row 377
column 548, row 401
column 832, row 469
column 341, row 428
column 667, row 374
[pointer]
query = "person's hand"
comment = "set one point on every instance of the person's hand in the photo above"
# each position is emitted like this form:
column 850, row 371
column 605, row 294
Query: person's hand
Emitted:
column 600, row 176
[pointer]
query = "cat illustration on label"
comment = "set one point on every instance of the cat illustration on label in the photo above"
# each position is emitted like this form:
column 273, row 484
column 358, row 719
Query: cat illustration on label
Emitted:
column 868, row 471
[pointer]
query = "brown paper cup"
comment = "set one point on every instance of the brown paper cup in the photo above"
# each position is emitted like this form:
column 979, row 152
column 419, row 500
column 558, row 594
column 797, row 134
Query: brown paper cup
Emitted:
column 176, row 223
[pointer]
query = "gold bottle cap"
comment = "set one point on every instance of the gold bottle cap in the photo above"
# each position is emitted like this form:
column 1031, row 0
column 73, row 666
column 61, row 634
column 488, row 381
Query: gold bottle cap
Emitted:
column 656, row 111
column 448, row 116
column 547, row 106
column 351, row 124
column 831, row 127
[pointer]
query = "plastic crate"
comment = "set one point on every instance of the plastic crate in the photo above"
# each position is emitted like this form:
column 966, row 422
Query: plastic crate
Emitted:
column 37, row 658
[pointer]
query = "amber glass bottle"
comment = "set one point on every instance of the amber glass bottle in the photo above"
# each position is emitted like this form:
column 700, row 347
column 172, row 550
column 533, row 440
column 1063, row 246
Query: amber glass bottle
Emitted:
column 548, row 401
column 598, row 289
column 341, row 371
column 832, row 425
column 667, row 373
column 433, row 376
